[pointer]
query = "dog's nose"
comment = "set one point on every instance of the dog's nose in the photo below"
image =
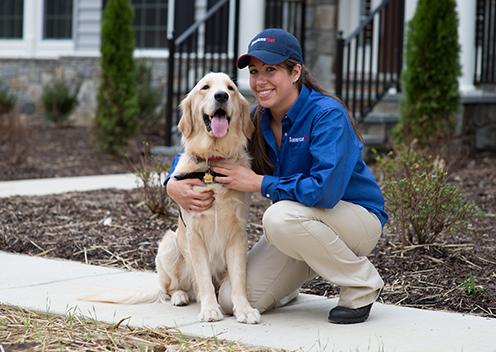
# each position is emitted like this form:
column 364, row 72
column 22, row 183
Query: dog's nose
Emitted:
column 221, row 97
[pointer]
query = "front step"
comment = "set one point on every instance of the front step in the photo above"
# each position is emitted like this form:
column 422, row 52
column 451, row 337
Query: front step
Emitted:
column 376, row 127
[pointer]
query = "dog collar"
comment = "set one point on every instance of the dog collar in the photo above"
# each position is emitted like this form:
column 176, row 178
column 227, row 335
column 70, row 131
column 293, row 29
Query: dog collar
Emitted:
column 205, row 176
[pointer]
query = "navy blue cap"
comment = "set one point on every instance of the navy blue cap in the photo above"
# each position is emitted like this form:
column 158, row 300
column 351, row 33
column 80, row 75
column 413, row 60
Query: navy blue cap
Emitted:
column 272, row 46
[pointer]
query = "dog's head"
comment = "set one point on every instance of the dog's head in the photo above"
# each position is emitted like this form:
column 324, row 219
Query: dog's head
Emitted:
column 215, row 110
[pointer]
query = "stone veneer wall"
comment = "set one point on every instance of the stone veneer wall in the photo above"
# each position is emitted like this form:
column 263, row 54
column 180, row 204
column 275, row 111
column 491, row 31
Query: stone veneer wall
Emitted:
column 26, row 78
column 320, row 40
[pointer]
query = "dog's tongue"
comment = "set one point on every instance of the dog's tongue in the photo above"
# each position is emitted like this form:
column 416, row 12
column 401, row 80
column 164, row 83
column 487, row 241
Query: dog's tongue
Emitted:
column 219, row 126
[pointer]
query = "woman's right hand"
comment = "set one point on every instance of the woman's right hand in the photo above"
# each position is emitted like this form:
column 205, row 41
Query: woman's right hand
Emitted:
column 182, row 192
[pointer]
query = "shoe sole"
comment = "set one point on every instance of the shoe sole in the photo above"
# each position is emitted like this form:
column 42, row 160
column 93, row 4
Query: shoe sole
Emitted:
column 349, row 321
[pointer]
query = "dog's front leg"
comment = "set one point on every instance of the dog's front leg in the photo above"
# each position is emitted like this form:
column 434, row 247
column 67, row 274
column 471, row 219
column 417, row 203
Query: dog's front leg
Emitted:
column 236, row 267
column 210, row 309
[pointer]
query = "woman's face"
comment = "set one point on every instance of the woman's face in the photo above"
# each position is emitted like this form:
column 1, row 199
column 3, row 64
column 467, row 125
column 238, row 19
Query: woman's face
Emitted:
column 273, row 85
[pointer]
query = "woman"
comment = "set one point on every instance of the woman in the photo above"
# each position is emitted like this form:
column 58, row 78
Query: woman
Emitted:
column 327, row 212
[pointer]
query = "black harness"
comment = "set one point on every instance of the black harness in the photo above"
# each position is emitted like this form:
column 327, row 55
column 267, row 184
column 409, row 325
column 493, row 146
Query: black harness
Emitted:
column 200, row 175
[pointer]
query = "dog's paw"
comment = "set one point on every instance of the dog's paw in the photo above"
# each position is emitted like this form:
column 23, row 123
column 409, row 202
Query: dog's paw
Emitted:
column 179, row 298
column 210, row 314
column 247, row 316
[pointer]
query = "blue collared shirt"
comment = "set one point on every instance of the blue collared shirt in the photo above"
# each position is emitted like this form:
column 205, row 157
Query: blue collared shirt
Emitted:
column 319, row 160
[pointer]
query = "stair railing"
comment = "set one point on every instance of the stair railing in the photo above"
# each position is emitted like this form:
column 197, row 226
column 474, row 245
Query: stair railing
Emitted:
column 204, row 47
column 369, row 60
column 485, row 41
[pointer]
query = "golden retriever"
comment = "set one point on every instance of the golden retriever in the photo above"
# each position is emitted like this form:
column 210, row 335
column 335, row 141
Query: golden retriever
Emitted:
column 208, row 246
column 192, row 262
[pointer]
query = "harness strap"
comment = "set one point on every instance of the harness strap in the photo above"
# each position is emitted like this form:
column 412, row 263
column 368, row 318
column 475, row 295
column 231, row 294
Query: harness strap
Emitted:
column 199, row 175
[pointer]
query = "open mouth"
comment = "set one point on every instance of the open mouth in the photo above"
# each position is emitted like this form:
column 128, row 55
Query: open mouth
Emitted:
column 218, row 123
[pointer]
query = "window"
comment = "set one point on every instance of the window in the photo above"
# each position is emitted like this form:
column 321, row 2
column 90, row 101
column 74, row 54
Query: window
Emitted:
column 150, row 23
column 57, row 19
column 11, row 19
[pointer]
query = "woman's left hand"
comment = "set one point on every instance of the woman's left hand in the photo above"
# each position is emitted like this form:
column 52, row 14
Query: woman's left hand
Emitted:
column 237, row 177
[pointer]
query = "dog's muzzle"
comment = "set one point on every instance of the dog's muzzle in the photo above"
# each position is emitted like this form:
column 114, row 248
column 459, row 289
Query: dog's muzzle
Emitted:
column 218, row 123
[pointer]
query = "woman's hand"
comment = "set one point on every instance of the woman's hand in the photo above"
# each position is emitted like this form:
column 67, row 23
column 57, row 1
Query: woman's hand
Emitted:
column 181, row 192
column 237, row 177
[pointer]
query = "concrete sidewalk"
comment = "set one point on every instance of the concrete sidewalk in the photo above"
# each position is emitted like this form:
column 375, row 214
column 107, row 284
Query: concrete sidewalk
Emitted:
column 67, row 184
column 55, row 285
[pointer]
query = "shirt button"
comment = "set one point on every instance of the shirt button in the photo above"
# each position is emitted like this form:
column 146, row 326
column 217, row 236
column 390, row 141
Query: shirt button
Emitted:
column 285, row 134
column 267, row 195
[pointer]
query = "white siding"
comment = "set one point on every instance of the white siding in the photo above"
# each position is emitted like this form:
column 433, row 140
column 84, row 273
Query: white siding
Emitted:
column 88, row 16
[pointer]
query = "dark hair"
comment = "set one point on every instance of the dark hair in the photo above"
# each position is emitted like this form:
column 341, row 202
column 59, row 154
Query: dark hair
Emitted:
column 258, row 150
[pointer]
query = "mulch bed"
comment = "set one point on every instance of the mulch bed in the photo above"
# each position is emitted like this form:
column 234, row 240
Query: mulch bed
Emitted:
column 71, row 226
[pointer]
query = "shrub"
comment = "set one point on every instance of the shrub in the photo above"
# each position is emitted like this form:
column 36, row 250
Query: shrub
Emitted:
column 149, row 171
column 7, row 101
column 148, row 97
column 421, row 202
column 117, row 100
column 59, row 100
column 15, row 137
column 430, row 79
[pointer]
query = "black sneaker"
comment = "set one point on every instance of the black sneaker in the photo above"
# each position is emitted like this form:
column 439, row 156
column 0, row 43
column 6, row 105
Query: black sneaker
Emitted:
column 343, row 315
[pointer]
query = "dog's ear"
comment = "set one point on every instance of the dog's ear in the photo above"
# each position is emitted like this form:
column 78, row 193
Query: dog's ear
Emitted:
column 185, row 124
column 248, row 126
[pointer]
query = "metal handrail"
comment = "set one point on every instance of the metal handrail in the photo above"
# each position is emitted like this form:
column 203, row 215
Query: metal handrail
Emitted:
column 485, row 43
column 188, row 32
column 380, row 56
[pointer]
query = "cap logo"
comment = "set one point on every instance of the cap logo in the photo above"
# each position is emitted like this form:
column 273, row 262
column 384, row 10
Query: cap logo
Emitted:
column 270, row 40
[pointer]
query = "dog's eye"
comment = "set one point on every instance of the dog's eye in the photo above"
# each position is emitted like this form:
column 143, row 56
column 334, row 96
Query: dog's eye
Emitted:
column 205, row 87
column 230, row 87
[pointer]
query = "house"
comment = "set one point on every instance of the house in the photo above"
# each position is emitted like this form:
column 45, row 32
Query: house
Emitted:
column 43, row 38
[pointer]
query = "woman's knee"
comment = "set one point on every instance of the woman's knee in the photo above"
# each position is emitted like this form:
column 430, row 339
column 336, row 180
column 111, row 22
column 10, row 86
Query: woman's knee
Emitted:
column 224, row 298
column 277, row 219
column 261, row 302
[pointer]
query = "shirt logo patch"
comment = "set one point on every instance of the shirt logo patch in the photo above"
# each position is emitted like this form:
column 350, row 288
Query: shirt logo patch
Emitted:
column 298, row 139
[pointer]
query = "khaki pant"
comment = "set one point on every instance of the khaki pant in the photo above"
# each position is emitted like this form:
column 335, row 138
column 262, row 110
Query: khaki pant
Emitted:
column 302, row 242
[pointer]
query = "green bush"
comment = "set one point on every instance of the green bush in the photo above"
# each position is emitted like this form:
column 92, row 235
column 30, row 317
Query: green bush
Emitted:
column 117, row 108
column 421, row 202
column 59, row 100
column 430, row 79
column 7, row 101
column 148, row 97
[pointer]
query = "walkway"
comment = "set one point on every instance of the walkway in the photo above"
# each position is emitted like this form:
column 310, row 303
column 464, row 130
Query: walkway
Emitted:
column 55, row 285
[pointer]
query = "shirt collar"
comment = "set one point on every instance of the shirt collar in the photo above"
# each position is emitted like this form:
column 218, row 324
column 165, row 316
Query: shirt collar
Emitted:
column 295, row 110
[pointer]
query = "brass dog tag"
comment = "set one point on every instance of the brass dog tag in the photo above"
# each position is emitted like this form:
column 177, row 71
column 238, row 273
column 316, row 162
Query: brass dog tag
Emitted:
column 208, row 178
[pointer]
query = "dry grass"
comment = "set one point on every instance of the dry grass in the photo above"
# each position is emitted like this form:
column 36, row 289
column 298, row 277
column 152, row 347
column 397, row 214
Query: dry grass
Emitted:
column 24, row 330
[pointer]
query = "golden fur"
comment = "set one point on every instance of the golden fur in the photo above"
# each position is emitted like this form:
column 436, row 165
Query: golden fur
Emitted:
column 193, row 261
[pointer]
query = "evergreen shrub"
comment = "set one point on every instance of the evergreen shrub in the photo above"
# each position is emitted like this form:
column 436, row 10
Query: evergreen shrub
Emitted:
column 117, row 108
column 430, row 79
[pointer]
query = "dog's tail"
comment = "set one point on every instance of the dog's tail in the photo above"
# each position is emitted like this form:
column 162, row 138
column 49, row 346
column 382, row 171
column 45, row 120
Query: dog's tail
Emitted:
column 122, row 297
